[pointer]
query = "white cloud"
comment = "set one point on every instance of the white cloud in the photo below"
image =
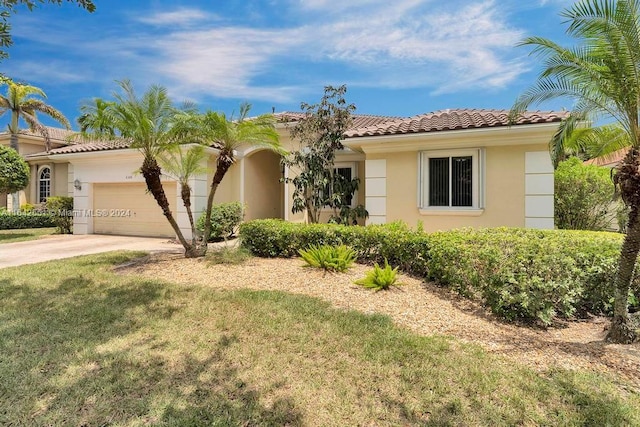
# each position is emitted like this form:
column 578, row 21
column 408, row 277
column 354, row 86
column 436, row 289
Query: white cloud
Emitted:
column 445, row 46
column 182, row 16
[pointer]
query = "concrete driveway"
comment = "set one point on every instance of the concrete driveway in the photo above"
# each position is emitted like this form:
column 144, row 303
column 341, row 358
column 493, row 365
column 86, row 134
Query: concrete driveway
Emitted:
column 66, row 246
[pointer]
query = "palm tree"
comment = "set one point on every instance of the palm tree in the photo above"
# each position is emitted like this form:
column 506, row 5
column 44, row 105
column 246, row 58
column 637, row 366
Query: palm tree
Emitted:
column 23, row 102
column 227, row 135
column 96, row 115
column 182, row 165
column 602, row 74
column 577, row 137
column 145, row 121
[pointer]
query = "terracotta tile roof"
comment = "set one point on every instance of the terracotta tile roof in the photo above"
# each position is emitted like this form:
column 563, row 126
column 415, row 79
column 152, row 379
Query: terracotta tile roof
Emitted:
column 58, row 135
column 359, row 120
column 454, row 120
column 609, row 160
column 85, row 147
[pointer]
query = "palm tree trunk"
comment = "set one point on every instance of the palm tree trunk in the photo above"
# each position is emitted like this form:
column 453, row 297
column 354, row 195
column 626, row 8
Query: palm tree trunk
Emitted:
column 627, row 178
column 13, row 143
column 222, row 166
column 151, row 173
column 621, row 330
column 185, row 193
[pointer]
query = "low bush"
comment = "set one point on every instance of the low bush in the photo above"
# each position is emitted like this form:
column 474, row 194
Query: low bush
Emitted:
column 519, row 273
column 9, row 221
column 380, row 278
column 225, row 219
column 61, row 209
column 330, row 258
column 395, row 242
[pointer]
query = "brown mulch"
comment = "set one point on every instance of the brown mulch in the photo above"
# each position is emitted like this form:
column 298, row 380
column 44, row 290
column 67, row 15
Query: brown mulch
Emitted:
column 423, row 308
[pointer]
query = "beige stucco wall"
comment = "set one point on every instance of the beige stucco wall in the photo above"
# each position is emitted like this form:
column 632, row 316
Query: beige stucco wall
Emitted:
column 504, row 190
column 229, row 188
column 60, row 180
column 263, row 191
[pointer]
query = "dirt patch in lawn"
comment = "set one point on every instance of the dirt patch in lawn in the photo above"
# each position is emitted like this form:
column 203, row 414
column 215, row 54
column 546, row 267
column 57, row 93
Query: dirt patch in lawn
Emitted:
column 423, row 308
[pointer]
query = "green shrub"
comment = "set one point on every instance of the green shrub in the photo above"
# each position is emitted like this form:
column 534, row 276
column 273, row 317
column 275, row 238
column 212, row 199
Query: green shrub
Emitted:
column 225, row 219
column 380, row 278
column 519, row 273
column 61, row 209
column 332, row 258
column 9, row 221
column 584, row 196
column 27, row 207
column 395, row 242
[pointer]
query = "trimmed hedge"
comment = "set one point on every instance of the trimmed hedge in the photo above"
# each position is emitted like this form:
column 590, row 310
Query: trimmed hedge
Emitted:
column 10, row 221
column 519, row 273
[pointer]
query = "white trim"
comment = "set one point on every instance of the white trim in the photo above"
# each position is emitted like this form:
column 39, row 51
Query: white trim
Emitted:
column 39, row 180
column 454, row 139
column 286, row 192
column 451, row 212
column 478, row 181
column 376, row 205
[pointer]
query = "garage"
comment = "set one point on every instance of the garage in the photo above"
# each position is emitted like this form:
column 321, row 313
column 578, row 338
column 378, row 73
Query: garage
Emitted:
column 128, row 209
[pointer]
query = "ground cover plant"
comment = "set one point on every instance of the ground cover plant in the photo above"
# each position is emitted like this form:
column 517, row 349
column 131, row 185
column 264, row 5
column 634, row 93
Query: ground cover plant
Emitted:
column 329, row 258
column 21, row 235
column 84, row 345
column 523, row 274
column 380, row 278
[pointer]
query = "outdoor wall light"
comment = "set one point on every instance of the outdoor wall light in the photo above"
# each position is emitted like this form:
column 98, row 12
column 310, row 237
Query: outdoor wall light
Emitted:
column 77, row 185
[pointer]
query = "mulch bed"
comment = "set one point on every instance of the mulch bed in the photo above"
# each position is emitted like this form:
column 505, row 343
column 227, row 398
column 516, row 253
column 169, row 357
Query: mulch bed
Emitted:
column 423, row 308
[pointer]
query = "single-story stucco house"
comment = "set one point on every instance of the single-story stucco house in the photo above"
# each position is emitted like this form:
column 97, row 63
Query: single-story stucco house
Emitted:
column 447, row 169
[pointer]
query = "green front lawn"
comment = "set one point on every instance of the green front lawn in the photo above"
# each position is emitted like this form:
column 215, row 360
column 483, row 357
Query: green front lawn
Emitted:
column 21, row 235
column 82, row 345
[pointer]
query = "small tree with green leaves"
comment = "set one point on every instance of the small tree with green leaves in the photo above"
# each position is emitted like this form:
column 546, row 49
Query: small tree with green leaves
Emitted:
column 14, row 171
column 584, row 196
column 318, row 185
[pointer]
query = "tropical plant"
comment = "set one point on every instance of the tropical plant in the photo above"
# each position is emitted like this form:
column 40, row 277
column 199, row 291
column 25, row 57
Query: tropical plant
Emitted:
column 327, row 257
column 146, row 122
column 23, row 101
column 318, row 184
column 227, row 135
column 94, row 115
column 584, row 196
column 380, row 278
column 602, row 74
column 225, row 219
column 61, row 209
column 182, row 164
column 14, row 171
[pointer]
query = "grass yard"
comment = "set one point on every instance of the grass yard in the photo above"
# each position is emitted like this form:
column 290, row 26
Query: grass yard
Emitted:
column 82, row 345
column 21, row 235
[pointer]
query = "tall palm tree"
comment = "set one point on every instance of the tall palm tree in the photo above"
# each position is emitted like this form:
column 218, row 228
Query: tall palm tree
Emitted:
column 182, row 164
column 577, row 137
column 146, row 122
column 23, row 101
column 602, row 75
column 228, row 135
column 96, row 115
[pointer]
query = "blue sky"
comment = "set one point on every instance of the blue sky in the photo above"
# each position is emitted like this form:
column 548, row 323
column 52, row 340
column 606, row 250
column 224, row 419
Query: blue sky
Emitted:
column 398, row 58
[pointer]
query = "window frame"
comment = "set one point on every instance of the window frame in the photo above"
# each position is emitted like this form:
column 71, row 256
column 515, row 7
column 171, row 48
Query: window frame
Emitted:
column 48, row 181
column 354, row 174
column 477, row 174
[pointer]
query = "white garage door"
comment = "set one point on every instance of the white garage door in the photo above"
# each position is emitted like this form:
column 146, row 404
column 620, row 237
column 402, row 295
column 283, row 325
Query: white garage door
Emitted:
column 127, row 209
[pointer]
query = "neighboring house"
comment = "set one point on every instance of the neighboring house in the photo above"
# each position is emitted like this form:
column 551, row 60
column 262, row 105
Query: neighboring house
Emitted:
column 447, row 169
